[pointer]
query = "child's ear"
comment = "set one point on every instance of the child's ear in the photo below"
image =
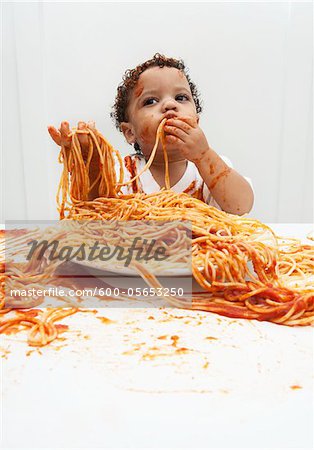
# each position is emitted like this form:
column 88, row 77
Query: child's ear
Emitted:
column 128, row 132
column 197, row 119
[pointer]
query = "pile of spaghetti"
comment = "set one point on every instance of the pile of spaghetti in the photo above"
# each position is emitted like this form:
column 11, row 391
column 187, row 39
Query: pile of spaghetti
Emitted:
column 242, row 268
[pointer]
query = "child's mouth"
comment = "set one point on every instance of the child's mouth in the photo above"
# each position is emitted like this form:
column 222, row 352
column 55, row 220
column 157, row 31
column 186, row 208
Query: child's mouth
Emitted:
column 169, row 116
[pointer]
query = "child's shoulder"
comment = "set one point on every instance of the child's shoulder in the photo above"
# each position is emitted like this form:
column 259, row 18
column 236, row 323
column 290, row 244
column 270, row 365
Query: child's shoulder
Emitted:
column 133, row 163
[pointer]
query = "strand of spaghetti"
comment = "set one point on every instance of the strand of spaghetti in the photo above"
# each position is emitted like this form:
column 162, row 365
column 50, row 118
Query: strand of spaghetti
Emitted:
column 152, row 281
column 80, row 187
column 107, row 180
column 89, row 156
column 64, row 184
column 167, row 176
column 152, row 156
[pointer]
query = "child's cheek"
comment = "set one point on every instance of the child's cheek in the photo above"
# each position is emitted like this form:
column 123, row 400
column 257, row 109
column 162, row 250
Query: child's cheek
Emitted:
column 145, row 135
column 148, row 131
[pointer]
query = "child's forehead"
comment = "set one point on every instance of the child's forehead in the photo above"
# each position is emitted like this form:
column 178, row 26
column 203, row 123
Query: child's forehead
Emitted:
column 161, row 76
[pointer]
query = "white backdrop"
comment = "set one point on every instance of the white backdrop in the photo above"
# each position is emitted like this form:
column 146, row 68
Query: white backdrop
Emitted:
column 252, row 63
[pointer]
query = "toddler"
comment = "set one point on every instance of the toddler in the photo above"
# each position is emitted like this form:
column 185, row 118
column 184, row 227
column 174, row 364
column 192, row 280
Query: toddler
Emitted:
column 161, row 89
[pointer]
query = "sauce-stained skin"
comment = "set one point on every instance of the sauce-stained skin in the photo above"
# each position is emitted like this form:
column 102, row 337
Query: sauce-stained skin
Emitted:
column 138, row 90
column 148, row 133
column 145, row 134
column 222, row 174
column 184, row 126
column 171, row 138
column 131, row 167
column 196, row 193
column 190, row 188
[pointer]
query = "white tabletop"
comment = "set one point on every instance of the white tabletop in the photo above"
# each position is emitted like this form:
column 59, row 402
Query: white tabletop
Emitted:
column 223, row 383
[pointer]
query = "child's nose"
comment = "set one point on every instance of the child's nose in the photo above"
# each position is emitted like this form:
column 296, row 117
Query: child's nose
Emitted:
column 169, row 104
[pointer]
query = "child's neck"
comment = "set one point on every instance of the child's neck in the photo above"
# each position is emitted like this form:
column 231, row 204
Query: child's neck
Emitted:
column 176, row 171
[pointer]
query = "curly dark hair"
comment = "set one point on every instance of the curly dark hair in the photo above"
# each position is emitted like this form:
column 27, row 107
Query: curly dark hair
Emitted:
column 130, row 78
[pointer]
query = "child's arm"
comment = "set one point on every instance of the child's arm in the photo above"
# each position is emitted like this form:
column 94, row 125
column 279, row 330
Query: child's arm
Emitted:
column 230, row 190
column 61, row 136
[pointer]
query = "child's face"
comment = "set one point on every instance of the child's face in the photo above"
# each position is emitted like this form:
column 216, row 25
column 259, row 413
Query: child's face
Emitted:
column 159, row 93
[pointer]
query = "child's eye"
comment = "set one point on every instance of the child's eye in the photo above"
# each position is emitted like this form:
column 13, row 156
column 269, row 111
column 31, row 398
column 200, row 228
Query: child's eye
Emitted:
column 149, row 101
column 182, row 97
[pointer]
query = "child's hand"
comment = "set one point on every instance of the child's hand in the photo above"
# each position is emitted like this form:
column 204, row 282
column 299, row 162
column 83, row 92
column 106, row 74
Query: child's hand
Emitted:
column 188, row 137
column 61, row 137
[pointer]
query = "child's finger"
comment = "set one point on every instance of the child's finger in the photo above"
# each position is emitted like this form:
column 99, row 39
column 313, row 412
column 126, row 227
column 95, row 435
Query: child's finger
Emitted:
column 91, row 124
column 170, row 139
column 82, row 137
column 183, row 126
column 64, row 128
column 55, row 135
column 65, row 131
column 81, row 125
column 192, row 121
column 175, row 131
